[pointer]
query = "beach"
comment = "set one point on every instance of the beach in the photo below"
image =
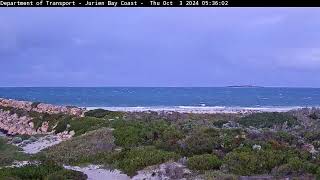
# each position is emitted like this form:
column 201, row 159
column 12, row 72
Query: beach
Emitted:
column 157, row 142
column 199, row 109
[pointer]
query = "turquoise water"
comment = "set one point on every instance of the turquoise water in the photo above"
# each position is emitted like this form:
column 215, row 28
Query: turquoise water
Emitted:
column 167, row 97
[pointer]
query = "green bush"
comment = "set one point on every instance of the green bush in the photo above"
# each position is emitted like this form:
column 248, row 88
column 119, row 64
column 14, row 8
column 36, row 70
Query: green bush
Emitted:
column 52, row 119
column 80, row 125
column 81, row 147
column 169, row 139
column 101, row 113
column 12, row 110
column 297, row 166
column 219, row 124
column 23, row 136
column 314, row 116
column 47, row 170
column 9, row 153
column 318, row 173
column 285, row 137
column 268, row 119
column 132, row 160
column 17, row 140
column 30, row 171
column 204, row 162
column 62, row 125
column 206, row 140
column 86, row 124
column 135, row 133
column 230, row 139
column 245, row 161
column 35, row 104
column 218, row 175
column 66, row 175
column 200, row 142
column 312, row 135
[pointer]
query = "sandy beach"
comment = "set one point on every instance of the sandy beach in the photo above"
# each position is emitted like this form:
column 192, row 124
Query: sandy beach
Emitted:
column 199, row 109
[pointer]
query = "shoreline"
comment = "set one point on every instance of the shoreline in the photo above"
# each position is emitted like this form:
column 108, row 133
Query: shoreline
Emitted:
column 200, row 109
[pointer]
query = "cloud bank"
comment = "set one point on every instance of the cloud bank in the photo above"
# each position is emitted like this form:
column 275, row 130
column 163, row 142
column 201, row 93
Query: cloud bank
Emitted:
column 160, row 47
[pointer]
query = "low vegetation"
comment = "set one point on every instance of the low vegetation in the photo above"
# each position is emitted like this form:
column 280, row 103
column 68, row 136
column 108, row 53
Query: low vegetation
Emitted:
column 268, row 120
column 86, row 124
column 75, row 150
column 134, row 159
column 215, row 146
column 45, row 171
column 9, row 153
column 134, row 133
column 101, row 113
column 204, row 162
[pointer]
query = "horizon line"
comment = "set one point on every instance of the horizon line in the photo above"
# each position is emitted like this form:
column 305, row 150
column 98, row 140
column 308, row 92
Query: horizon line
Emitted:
column 229, row 86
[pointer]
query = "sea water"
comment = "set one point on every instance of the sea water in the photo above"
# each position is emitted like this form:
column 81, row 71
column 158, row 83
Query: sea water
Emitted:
column 168, row 97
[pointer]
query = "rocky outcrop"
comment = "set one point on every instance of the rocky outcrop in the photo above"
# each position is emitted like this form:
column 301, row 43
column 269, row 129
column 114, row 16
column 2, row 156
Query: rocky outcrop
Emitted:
column 16, row 125
column 41, row 107
column 13, row 124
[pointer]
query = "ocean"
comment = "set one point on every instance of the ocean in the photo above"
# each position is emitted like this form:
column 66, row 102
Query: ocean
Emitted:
column 168, row 97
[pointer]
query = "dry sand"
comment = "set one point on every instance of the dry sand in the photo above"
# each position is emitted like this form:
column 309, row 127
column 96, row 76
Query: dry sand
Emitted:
column 40, row 144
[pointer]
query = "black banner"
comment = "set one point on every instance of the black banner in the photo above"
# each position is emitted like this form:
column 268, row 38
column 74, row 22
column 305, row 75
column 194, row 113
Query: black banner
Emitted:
column 160, row 3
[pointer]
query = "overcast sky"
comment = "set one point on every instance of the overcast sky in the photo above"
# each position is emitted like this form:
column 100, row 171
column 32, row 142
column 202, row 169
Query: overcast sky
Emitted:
column 160, row 47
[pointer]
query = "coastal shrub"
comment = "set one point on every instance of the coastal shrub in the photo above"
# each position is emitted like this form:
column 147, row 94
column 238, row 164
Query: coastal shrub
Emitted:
column 206, row 140
column 6, row 108
column 296, row 166
column 314, row 116
column 268, row 120
column 218, row 175
column 32, row 139
column 81, row 147
column 290, row 153
column 86, row 124
column 17, row 140
column 62, row 125
column 29, row 171
column 188, row 126
column 80, row 125
column 201, row 142
column 2, row 143
column 9, row 153
column 101, row 113
column 135, row 133
column 312, row 135
column 169, row 139
column 245, row 161
column 23, row 136
column 219, row 124
column 204, row 162
column 47, row 170
column 249, row 161
column 52, row 119
column 132, row 160
column 230, row 139
column 35, row 104
column 285, row 137
column 67, row 175
column 12, row 110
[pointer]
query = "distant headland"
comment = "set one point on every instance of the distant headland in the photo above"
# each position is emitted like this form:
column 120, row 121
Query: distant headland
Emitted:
column 244, row 86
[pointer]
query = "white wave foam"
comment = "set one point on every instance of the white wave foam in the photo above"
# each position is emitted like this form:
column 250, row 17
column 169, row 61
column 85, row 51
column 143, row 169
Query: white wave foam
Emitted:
column 199, row 109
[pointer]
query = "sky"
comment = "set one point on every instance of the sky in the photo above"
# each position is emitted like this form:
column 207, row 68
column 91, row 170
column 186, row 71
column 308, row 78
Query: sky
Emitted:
column 160, row 47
